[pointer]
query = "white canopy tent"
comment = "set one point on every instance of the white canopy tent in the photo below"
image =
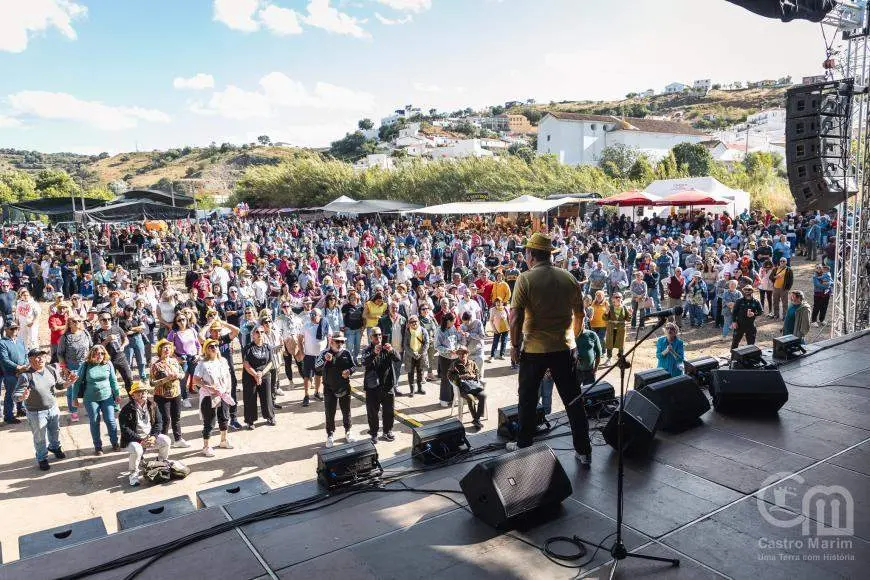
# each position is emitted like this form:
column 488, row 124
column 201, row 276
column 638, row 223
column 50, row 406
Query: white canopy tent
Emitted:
column 522, row 204
column 347, row 205
column 737, row 198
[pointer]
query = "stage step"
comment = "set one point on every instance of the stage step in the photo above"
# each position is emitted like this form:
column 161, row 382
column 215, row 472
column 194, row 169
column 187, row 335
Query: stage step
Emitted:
column 230, row 492
column 60, row 537
column 154, row 512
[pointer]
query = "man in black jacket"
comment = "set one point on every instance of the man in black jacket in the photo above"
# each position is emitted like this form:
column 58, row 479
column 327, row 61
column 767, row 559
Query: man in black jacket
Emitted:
column 380, row 382
column 336, row 364
column 140, row 425
column 746, row 310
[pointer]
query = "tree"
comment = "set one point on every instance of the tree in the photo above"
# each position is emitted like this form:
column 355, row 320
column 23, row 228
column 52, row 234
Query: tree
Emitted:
column 524, row 152
column 642, row 170
column 352, row 146
column 391, row 131
column 616, row 160
column 118, row 186
column 465, row 128
column 264, row 140
column 696, row 158
column 433, row 112
column 366, row 124
column 56, row 183
column 19, row 184
column 667, row 167
column 496, row 110
column 630, row 95
column 533, row 115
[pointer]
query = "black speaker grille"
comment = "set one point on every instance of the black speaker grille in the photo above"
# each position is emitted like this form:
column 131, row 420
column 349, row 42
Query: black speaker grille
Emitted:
column 525, row 479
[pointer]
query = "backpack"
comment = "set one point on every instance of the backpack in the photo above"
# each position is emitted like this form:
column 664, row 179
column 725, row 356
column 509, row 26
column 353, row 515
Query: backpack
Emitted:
column 161, row 471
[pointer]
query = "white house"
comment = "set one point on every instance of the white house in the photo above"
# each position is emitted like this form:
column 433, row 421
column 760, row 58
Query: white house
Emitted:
column 493, row 143
column 702, row 85
column 406, row 112
column 675, row 88
column 374, row 160
column 647, row 93
column 409, row 130
column 462, row 148
column 408, row 141
column 578, row 139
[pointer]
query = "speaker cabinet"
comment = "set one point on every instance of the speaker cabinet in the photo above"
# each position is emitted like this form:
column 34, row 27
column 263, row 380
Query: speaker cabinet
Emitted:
column 748, row 391
column 501, row 490
column 640, row 420
column 642, row 379
column 680, row 400
column 818, row 133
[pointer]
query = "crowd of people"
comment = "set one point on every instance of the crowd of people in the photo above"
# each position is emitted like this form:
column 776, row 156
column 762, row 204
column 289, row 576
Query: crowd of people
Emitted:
column 333, row 298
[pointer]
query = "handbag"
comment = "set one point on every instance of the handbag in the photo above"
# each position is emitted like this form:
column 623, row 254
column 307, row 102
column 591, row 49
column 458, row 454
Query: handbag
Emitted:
column 470, row 387
column 647, row 303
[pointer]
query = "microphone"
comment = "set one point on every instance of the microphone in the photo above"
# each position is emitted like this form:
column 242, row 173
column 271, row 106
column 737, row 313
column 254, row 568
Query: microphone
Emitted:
column 675, row 311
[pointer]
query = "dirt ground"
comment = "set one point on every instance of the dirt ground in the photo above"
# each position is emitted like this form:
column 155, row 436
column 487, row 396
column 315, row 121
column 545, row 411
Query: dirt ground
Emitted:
column 84, row 486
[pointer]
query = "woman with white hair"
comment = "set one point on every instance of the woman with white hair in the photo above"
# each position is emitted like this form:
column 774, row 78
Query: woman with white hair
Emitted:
column 27, row 312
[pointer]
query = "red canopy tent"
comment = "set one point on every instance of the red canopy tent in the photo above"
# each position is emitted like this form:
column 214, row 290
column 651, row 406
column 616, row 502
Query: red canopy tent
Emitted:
column 690, row 197
column 628, row 199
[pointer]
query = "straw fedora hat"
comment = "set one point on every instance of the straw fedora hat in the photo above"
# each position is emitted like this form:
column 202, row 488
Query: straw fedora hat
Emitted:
column 542, row 242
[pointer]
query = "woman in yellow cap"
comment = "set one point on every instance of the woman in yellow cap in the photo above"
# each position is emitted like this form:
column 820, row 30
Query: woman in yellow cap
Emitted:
column 166, row 374
column 212, row 379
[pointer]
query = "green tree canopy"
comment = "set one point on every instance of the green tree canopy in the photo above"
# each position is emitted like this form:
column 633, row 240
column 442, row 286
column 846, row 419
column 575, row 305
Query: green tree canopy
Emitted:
column 695, row 158
column 617, row 160
column 365, row 124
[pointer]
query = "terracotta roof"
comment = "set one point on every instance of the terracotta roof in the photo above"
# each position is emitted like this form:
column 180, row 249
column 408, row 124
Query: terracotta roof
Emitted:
column 632, row 123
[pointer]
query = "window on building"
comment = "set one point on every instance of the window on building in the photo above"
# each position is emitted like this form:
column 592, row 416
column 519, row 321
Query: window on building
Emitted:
column 593, row 126
column 548, row 137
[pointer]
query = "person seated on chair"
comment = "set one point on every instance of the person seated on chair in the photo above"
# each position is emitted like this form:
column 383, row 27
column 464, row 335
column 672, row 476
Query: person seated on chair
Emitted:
column 466, row 376
column 140, row 424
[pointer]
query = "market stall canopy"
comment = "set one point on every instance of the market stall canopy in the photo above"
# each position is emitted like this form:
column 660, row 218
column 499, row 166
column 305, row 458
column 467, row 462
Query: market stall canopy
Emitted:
column 629, row 199
column 137, row 211
column 691, row 197
column 522, row 204
column 53, row 206
column 156, row 195
column 347, row 205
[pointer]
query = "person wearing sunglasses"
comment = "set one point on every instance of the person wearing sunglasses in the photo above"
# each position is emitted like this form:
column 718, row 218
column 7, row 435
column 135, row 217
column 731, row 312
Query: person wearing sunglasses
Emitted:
column 212, row 379
column 114, row 340
column 257, row 379
column 336, row 364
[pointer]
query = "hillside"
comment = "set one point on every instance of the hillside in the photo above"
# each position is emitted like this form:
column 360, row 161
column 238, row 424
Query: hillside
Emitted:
column 211, row 169
column 716, row 109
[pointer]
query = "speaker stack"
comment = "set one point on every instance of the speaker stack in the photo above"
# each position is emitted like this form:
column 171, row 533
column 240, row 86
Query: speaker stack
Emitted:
column 817, row 134
column 640, row 420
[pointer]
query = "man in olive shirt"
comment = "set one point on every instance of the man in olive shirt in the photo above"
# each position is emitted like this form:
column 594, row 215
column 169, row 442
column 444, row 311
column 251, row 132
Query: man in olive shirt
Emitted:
column 546, row 314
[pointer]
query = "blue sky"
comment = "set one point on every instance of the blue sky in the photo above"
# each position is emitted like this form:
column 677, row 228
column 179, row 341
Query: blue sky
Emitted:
column 114, row 75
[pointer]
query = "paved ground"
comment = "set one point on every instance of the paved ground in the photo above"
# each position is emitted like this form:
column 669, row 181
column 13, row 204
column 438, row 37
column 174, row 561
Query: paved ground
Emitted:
column 84, row 486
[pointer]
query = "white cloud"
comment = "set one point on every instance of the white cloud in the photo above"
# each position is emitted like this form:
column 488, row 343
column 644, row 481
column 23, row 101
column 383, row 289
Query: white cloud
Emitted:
column 237, row 14
column 428, row 88
column 63, row 106
column 9, row 122
column 281, row 21
column 197, row 82
column 408, row 5
column 19, row 20
column 322, row 15
column 393, row 21
column 277, row 92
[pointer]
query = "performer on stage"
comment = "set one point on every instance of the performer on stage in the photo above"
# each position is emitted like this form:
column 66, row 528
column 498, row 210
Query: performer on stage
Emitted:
column 546, row 314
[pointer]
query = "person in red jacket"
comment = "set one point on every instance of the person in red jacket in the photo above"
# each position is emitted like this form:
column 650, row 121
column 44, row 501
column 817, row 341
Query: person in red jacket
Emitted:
column 57, row 326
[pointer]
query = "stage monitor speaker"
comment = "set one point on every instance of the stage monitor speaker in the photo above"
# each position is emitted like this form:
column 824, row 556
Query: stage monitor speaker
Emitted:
column 642, row 379
column 517, row 484
column 436, row 442
column 594, row 398
column 680, row 400
column 347, row 464
column 699, row 369
column 639, row 423
column 817, row 133
column 787, row 346
column 509, row 420
column 748, row 391
column 747, row 357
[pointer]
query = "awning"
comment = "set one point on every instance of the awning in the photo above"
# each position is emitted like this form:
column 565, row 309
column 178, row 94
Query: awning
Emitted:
column 56, row 205
column 136, row 211
column 347, row 205
column 177, row 199
column 629, row 199
column 691, row 197
column 522, row 204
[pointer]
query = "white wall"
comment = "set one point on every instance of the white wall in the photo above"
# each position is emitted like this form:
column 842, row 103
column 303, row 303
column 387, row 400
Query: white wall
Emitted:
column 581, row 142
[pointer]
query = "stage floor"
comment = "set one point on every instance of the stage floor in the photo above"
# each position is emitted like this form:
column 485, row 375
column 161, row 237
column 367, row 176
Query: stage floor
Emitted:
column 735, row 497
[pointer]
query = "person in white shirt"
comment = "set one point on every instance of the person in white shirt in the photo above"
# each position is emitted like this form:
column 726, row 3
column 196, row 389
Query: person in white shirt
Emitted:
column 314, row 337
column 219, row 275
column 403, row 273
column 261, row 289
column 469, row 304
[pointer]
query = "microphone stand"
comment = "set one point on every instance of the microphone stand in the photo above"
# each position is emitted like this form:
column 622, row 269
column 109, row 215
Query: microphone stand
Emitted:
column 618, row 550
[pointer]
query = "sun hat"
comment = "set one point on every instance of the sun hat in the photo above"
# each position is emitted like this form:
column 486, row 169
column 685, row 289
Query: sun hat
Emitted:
column 539, row 241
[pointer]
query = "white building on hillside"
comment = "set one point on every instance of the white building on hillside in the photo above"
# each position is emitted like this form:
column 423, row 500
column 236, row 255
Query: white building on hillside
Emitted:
column 702, row 85
column 380, row 160
column 578, row 139
column 406, row 112
column 675, row 88
column 460, row 149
